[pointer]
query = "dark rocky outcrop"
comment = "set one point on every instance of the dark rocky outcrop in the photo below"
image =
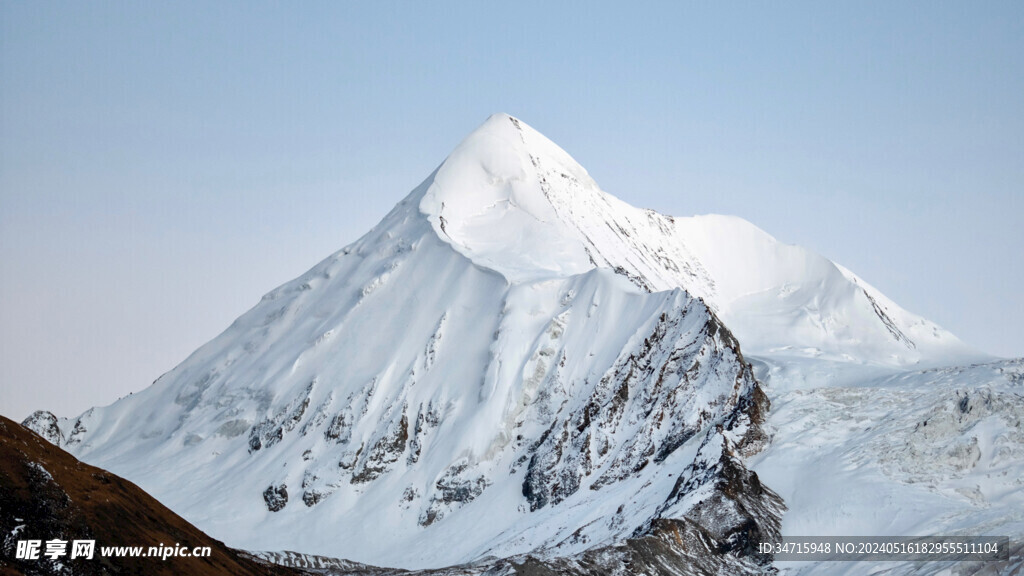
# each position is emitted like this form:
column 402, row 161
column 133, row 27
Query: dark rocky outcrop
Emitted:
column 44, row 423
column 276, row 497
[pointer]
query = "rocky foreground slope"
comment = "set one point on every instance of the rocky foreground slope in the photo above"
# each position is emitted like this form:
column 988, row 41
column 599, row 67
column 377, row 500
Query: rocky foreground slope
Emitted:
column 46, row 494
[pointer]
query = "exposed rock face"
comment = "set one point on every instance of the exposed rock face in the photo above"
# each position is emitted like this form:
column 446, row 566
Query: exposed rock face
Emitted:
column 270, row 431
column 276, row 497
column 45, row 424
column 724, row 500
column 387, row 450
column 651, row 391
column 453, row 489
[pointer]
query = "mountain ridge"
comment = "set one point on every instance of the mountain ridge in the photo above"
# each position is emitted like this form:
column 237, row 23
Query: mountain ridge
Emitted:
column 536, row 199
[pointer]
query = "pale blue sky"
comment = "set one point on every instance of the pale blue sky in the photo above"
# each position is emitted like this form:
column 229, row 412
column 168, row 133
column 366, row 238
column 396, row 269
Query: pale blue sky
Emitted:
column 163, row 165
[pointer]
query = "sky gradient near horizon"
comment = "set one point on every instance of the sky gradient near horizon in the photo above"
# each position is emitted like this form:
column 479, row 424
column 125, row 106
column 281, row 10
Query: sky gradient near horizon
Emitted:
column 163, row 165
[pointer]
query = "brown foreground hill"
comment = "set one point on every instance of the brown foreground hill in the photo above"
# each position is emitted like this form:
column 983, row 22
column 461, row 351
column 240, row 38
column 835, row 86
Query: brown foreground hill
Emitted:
column 47, row 494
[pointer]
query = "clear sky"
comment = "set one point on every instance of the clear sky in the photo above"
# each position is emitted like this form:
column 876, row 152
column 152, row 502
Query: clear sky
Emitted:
column 164, row 164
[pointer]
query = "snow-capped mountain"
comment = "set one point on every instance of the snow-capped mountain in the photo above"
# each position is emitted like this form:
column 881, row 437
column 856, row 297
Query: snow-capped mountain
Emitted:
column 512, row 363
column 461, row 382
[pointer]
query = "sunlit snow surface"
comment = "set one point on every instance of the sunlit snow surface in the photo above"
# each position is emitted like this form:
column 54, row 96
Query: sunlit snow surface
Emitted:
column 392, row 390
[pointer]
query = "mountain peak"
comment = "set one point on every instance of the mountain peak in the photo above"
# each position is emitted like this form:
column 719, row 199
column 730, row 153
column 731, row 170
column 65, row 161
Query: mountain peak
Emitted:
column 492, row 200
column 509, row 136
column 512, row 201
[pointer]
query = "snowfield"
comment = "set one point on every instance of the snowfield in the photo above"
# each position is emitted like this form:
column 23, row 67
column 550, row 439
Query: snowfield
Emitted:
column 912, row 453
column 514, row 363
